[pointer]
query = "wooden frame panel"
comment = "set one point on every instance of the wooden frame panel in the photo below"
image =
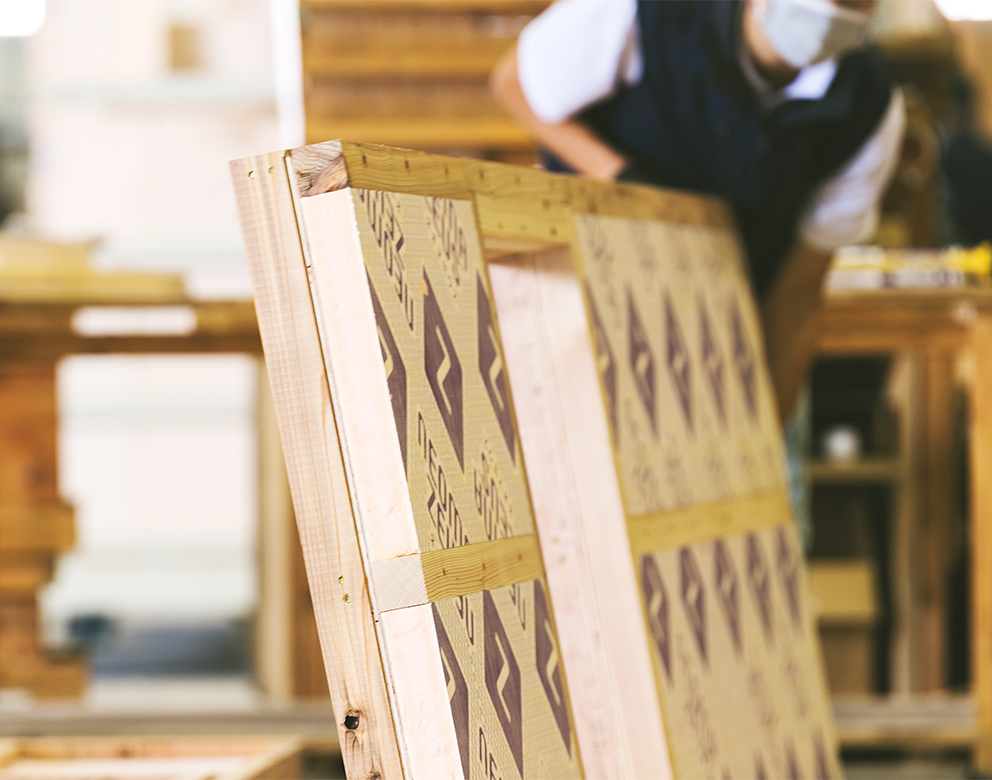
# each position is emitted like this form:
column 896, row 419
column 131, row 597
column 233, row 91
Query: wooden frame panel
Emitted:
column 368, row 228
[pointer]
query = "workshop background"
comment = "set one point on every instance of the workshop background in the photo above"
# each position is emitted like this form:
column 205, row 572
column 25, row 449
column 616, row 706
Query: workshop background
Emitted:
column 169, row 595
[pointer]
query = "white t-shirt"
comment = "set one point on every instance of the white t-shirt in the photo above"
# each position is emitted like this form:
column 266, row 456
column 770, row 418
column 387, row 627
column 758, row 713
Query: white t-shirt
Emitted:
column 579, row 52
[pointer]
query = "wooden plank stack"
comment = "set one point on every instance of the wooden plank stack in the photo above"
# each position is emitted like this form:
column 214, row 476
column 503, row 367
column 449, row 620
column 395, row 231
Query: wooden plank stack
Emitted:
column 35, row 527
column 537, row 470
column 181, row 758
column 412, row 73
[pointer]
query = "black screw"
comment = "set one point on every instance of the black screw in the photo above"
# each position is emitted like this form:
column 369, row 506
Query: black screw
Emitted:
column 351, row 722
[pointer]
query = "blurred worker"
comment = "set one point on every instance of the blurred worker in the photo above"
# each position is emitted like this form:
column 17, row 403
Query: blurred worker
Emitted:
column 779, row 106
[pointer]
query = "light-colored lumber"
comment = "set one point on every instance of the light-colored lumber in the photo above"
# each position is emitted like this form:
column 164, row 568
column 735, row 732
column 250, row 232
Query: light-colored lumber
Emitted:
column 316, row 470
column 354, row 239
column 40, row 528
column 845, row 592
column 439, row 133
column 396, row 57
column 878, row 470
column 981, row 539
column 579, row 513
column 514, row 7
column 274, row 630
column 71, row 287
column 205, row 758
column 619, row 355
column 736, row 518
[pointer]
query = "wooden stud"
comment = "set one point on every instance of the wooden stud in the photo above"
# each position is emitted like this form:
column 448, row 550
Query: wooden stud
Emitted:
column 316, row 470
column 981, row 540
column 391, row 245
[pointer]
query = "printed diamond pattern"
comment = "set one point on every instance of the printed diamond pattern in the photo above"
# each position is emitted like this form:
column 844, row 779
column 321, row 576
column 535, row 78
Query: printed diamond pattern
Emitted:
column 457, row 689
column 503, row 679
column 549, row 664
column 642, row 361
column 492, row 370
column 712, row 362
column 694, row 599
column 444, row 371
column 606, row 363
column 744, row 361
column 726, row 591
column 656, row 603
column 679, row 366
column 395, row 372
column 789, row 570
column 758, row 577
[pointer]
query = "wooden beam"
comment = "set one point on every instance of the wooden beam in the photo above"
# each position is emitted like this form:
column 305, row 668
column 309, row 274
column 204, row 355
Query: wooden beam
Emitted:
column 316, row 471
column 980, row 444
column 507, row 7
column 406, row 57
column 24, row 528
column 579, row 512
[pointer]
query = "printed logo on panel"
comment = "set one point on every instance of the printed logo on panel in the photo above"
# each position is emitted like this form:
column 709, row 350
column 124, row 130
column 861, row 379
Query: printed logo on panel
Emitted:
column 457, row 689
column 656, row 601
column 395, row 371
column 759, row 768
column 726, row 590
column 822, row 766
column 694, row 599
column 678, row 360
column 744, row 360
column 641, row 360
column 606, row 363
column 380, row 208
column 549, row 664
column 712, row 362
column 792, row 762
column 503, row 679
column 757, row 576
column 789, row 571
column 492, row 369
column 449, row 238
column 444, row 371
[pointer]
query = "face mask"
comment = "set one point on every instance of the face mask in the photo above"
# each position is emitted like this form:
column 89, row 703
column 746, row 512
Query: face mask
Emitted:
column 807, row 31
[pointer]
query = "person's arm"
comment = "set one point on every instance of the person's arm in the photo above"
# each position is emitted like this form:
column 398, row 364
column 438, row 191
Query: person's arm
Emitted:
column 569, row 140
column 842, row 212
column 789, row 318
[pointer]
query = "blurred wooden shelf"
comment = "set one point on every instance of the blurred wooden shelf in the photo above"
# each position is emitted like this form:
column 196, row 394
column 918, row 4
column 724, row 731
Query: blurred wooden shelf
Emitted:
column 913, row 723
column 431, row 6
column 236, row 758
column 27, row 528
column 864, row 471
column 386, row 57
column 431, row 133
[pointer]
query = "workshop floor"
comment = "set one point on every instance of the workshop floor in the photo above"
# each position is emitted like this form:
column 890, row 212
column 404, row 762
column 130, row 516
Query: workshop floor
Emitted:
column 210, row 704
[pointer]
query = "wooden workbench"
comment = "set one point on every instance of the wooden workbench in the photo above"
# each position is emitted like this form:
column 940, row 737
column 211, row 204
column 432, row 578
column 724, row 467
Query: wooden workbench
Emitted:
column 43, row 288
column 941, row 338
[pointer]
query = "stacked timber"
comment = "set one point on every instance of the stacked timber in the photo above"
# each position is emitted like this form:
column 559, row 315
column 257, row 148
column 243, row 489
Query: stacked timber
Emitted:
column 185, row 758
column 412, row 73
column 35, row 527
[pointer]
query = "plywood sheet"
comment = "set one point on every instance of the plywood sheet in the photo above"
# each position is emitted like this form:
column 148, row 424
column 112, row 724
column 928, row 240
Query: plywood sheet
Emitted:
column 457, row 435
column 677, row 337
column 700, row 461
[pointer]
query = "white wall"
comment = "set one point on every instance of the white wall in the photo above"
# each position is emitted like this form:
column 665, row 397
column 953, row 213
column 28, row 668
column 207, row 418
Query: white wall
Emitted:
column 158, row 454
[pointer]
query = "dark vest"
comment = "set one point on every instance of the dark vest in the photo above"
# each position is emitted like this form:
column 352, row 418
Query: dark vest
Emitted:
column 693, row 122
